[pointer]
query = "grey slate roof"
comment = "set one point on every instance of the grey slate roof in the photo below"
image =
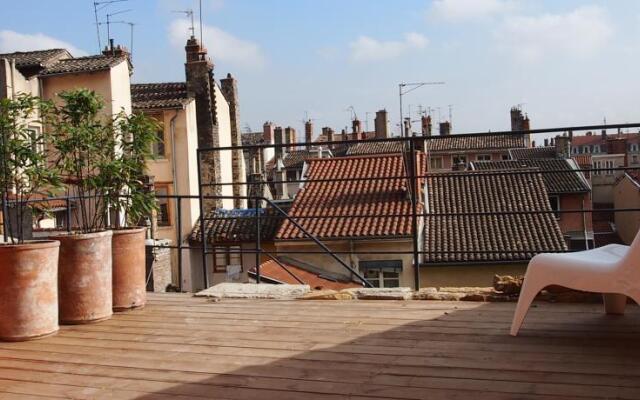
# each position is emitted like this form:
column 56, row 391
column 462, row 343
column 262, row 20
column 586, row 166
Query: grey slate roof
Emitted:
column 533, row 152
column 364, row 148
column 36, row 58
column 488, row 141
column 237, row 226
column 148, row 96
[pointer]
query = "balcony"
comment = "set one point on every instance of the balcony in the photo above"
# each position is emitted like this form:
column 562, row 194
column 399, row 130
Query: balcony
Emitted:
column 180, row 347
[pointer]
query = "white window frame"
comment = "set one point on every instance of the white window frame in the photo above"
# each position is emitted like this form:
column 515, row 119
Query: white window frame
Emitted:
column 483, row 157
column 433, row 160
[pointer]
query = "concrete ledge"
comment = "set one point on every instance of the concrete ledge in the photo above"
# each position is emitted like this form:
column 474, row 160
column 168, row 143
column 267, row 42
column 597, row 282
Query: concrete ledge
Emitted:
column 254, row 291
column 401, row 293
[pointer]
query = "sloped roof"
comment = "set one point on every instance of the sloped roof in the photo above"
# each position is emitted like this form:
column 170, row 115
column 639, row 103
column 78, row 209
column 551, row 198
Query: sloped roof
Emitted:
column 314, row 277
column 333, row 205
column 533, row 152
column 487, row 141
column 84, row 64
column 237, row 226
column 589, row 140
column 365, row 147
column 556, row 182
column 36, row 58
column 583, row 160
column 162, row 95
column 508, row 237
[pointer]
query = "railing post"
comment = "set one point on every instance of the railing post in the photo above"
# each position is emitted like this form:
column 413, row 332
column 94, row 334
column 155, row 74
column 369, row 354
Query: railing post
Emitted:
column 178, row 200
column 258, row 240
column 68, row 216
column 5, row 216
column 414, row 211
column 203, row 234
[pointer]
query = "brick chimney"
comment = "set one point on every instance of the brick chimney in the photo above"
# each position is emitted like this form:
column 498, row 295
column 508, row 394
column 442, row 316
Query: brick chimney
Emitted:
column 328, row 134
column 426, row 125
column 516, row 119
column 617, row 145
column 229, row 88
column 201, row 87
column 445, row 128
column 563, row 146
column 381, row 123
column 356, row 127
column 279, row 139
column 268, row 133
column 290, row 137
column 308, row 132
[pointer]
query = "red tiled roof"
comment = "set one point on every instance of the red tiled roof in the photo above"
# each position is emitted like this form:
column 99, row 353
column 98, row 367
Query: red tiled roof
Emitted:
column 84, row 64
column 367, row 147
column 159, row 95
column 634, row 175
column 491, row 237
column 346, row 198
column 36, row 58
column 533, row 152
column 588, row 140
column 488, row 141
column 583, row 160
column 273, row 271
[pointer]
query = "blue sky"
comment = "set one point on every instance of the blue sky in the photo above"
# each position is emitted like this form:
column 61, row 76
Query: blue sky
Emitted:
column 567, row 62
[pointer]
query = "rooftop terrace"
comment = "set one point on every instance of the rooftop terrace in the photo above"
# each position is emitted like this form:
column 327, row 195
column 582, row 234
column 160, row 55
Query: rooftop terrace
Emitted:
column 180, row 347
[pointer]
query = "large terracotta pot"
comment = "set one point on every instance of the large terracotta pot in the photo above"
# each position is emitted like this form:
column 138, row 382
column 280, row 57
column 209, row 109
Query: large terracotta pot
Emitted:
column 84, row 277
column 129, row 284
column 28, row 290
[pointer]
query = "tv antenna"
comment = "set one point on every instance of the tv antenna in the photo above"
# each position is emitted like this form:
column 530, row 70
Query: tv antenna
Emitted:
column 450, row 114
column 101, row 5
column 131, row 25
column 189, row 14
column 352, row 110
column 109, row 22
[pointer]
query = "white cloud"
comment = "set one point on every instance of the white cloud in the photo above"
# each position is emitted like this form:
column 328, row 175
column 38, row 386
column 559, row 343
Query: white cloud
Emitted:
column 366, row 48
column 11, row 41
column 220, row 44
column 581, row 32
column 464, row 10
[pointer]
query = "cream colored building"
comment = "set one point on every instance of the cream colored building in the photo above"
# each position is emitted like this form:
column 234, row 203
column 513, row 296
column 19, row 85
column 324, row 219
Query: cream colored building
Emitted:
column 626, row 194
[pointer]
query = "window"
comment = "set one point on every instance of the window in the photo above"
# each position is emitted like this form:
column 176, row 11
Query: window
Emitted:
column 634, row 147
column 292, row 175
column 164, row 213
column 505, row 157
column 634, row 159
column 608, row 164
column 597, row 165
column 554, row 201
column 223, row 256
column 575, row 150
column 586, row 149
column 382, row 273
column 484, row 157
column 459, row 160
column 159, row 145
column 596, row 148
column 435, row 163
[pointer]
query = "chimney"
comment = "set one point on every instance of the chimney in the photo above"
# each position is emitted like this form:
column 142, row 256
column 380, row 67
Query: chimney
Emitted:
column 356, row 127
column 546, row 142
column 279, row 139
column 308, row 132
column 282, row 188
column 381, row 123
column 229, row 88
column 563, row 146
column 517, row 119
column 589, row 133
column 617, row 145
column 268, row 134
column 290, row 137
column 343, row 134
column 603, row 133
column 445, row 128
column 426, row 125
column 533, row 143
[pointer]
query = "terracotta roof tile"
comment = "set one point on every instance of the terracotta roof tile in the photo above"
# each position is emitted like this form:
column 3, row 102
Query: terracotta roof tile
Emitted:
column 238, row 225
column 365, row 147
column 511, row 237
column 533, row 152
column 84, row 64
column 571, row 181
column 36, row 58
column 488, row 141
column 145, row 96
column 346, row 198
column 318, row 280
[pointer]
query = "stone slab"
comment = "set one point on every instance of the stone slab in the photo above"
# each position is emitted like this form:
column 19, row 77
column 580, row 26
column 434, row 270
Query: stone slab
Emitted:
column 254, row 291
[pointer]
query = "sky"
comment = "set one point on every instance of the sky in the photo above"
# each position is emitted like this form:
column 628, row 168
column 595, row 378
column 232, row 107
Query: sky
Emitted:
column 564, row 62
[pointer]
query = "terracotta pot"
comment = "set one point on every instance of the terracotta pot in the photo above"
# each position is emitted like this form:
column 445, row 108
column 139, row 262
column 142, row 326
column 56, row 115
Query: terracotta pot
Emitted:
column 129, row 275
column 28, row 290
column 84, row 277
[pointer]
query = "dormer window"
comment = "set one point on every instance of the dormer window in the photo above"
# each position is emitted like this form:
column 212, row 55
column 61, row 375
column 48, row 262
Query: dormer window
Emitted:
column 586, row 149
column 634, row 147
column 575, row 150
column 596, row 148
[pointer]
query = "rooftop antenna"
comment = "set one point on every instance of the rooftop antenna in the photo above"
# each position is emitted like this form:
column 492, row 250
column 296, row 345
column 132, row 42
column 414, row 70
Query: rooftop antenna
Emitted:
column 354, row 116
column 200, row 12
column 451, row 114
column 189, row 13
column 97, row 6
column 366, row 120
column 109, row 15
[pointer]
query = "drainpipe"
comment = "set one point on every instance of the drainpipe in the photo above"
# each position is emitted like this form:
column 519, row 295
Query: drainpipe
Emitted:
column 584, row 224
column 172, row 128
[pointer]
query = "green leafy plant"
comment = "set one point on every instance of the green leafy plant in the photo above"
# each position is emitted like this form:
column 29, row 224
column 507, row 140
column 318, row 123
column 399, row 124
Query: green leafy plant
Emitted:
column 25, row 171
column 85, row 143
column 136, row 134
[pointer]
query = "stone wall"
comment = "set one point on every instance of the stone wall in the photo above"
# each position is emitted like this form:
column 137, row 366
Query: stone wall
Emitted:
column 158, row 262
column 229, row 87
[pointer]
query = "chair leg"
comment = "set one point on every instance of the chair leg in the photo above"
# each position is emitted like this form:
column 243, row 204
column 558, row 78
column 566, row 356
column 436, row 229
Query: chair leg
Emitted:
column 614, row 303
column 527, row 294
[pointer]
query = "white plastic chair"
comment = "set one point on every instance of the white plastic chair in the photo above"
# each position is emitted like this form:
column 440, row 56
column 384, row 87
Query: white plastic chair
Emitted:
column 613, row 270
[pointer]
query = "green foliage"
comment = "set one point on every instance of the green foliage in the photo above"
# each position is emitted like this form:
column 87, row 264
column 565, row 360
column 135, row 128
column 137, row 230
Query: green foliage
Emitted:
column 24, row 166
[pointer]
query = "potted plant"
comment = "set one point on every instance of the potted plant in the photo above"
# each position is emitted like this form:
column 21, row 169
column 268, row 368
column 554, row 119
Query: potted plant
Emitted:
column 28, row 269
column 129, row 197
column 84, row 145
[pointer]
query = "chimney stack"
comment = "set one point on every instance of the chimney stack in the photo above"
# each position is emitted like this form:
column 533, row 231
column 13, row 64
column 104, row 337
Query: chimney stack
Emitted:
column 308, row 133
column 356, row 126
column 517, row 119
column 445, row 128
column 279, row 139
column 282, row 187
column 546, row 142
column 290, row 137
column 381, row 123
column 616, row 145
column 563, row 146
column 426, row 125
column 268, row 134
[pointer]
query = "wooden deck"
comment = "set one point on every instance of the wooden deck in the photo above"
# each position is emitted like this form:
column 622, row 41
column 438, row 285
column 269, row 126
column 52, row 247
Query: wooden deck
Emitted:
column 181, row 347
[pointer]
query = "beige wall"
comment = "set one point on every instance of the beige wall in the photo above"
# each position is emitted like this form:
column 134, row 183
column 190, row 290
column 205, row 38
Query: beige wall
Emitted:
column 326, row 262
column 626, row 194
column 603, row 183
column 12, row 82
column 224, row 132
column 478, row 275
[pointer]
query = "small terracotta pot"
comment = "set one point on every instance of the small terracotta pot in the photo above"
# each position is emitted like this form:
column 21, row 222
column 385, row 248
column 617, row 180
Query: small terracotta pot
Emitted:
column 129, row 283
column 84, row 277
column 28, row 290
